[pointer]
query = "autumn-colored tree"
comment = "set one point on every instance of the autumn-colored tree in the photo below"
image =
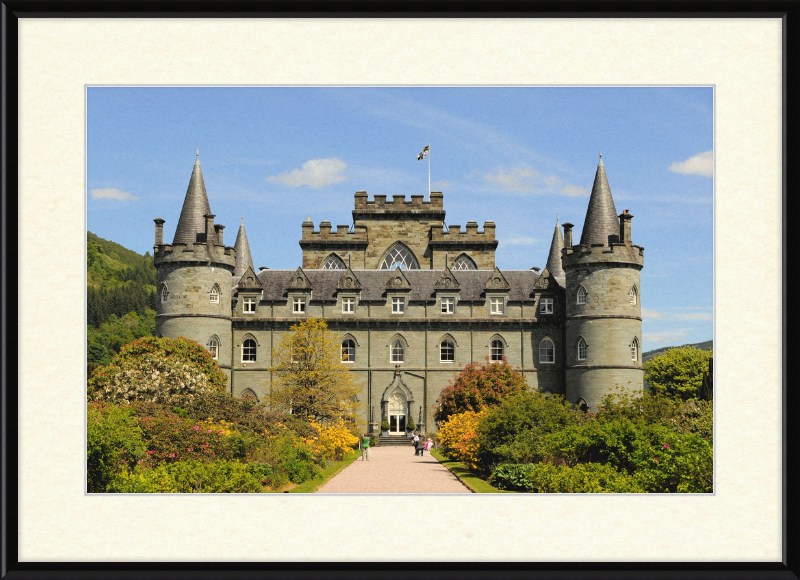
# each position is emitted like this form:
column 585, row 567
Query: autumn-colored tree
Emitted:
column 478, row 386
column 310, row 380
column 678, row 372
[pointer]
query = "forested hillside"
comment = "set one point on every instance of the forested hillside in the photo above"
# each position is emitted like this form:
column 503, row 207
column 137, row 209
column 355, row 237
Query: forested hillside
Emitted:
column 646, row 356
column 121, row 298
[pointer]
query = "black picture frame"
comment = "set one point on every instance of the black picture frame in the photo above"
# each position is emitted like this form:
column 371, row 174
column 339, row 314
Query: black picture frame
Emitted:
column 12, row 568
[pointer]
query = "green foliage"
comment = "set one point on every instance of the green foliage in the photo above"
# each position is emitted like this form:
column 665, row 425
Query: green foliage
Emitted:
column 706, row 392
column 196, row 477
column 678, row 372
column 114, row 444
column 478, row 386
column 289, row 456
column 170, row 439
column 105, row 342
column 110, row 264
column 546, row 478
column 385, row 425
column 511, row 432
column 411, row 425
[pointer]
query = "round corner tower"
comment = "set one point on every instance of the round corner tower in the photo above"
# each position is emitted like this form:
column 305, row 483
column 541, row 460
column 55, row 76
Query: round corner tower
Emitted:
column 194, row 277
column 603, row 314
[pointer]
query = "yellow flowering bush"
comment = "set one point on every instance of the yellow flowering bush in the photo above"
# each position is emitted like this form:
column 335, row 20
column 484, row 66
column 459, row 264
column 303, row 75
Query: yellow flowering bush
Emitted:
column 220, row 427
column 333, row 440
column 459, row 437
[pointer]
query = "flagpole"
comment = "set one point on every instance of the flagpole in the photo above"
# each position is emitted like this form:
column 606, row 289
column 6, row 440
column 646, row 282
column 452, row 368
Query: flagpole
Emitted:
column 429, row 169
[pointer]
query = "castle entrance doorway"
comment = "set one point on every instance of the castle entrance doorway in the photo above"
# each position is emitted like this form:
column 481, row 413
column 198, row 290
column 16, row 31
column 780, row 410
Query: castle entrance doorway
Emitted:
column 397, row 413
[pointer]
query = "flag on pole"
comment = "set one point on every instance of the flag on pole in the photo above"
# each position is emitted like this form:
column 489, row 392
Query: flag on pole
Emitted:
column 424, row 153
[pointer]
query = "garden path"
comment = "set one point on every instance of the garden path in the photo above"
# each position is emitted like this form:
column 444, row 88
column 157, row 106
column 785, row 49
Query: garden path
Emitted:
column 395, row 470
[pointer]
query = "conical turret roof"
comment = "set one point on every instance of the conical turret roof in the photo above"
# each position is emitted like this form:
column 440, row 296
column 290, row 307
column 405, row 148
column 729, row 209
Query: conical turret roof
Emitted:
column 195, row 207
column 243, row 258
column 601, row 216
column 554, row 258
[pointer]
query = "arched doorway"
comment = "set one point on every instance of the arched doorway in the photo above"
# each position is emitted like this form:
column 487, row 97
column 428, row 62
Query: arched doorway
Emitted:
column 398, row 405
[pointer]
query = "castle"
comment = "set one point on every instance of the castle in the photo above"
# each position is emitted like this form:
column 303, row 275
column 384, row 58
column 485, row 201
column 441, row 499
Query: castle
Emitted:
column 412, row 301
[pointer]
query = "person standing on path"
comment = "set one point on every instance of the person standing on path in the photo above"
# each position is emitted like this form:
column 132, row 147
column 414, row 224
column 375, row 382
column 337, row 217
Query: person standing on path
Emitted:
column 416, row 443
column 365, row 450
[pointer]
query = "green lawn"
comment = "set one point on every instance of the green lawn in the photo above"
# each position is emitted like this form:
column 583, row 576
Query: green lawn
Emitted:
column 313, row 485
column 472, row 481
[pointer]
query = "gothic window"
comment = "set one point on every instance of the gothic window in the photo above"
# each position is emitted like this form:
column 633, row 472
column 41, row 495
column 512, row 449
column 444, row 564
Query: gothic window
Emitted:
column 397, row 352
column 399, row 256
column 333, row 262
column 581, row 295
column 213, row 295
column 497, row 350
column 213, row 348
column 497, row 305
column 299, row 305
column 348, row 305
column 632, row 295
column 164, row 294
column 546, row 306
column 582, row 348
column 249, row 306
column 398, row 305
column 447, row 351
column 464, row 262
column 248, row 394
column 448, row 305
column 635, row 350
column 547, row 351
column 249, row 350
column 348, row 350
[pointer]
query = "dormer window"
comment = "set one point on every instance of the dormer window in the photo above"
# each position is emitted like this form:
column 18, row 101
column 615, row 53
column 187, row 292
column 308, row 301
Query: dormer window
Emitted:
column 398, row 305
column 249, row 306
column 348, row 305
column 496, row 305
column 448, row 305
column 299, row 305
column 546, row 306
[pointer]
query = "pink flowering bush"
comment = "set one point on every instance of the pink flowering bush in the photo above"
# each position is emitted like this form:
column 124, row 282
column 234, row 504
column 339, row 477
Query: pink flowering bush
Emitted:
column 170, row 438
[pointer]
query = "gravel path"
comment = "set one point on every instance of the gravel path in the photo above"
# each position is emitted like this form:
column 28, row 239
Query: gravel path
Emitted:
column 395, row 470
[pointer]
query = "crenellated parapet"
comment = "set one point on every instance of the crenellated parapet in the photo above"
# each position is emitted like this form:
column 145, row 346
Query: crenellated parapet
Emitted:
column 202, row 253
column 615, row 252
column 471, row 238
column 398, row 207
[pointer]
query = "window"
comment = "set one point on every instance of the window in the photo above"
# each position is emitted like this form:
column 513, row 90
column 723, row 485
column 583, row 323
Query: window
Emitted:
column 497, row 350
column 398, row 305
column 348, row 305
column 399, row 256
column 547, row 351
column 164, row 294
column 397, row 354
column 582, row 348
column 464, row 262
column 249, row 306
column 581, row 295
column 213, row 295
column 447, row 351
column 497, row 305
column 348, row 350
column 249, row 350
column 448, row 305
column 632, row 295
column 333, row 262
column 546, row 306
column 248, row 394
column 299, row 305
column 213, row 348
column 635, row 350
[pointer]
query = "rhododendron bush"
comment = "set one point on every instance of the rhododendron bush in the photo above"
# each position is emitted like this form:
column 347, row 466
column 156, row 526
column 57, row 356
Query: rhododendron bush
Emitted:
column 459, row 437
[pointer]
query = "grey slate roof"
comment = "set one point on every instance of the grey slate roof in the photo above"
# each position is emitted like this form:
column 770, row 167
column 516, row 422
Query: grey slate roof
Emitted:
column 554, row 258
column 243, row 257
column 601, row 217
column 195, row 207
column 373, row 283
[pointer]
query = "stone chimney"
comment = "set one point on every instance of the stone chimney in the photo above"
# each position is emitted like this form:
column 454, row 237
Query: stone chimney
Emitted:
column 567, row 235
column 159, row 231
column 625, row 227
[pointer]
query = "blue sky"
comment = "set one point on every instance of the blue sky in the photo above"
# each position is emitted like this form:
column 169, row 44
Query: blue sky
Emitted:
column 516, row 156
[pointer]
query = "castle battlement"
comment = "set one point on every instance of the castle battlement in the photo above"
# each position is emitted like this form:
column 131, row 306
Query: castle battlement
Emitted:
column 199, row 252
column 399, row 202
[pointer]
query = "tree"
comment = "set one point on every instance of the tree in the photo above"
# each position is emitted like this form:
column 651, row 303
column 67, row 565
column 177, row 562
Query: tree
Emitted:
column 311, row 381
column 706, row 392
column 678, row 372
column 477, row 387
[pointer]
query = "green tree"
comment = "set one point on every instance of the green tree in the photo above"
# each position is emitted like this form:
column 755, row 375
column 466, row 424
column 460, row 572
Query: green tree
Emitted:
column 678, row 372
column 311, row 381
column 478, row 386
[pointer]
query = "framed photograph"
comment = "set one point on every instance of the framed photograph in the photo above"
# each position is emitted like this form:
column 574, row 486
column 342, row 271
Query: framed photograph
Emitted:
column 71, row 74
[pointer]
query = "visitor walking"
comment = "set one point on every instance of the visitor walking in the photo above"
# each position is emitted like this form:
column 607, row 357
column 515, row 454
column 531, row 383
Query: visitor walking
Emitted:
column 416, row 443
column 365, row 449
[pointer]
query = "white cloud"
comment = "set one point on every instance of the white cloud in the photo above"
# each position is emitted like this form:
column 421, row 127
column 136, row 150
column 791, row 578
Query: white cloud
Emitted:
column 525, row 181
column 315, row 173
column 694, row 316
column 440, row 185
column 520, row 241
column 665, row 336
column 700, row 164
column 574, row 191
column 648, row 313
column 111, row 193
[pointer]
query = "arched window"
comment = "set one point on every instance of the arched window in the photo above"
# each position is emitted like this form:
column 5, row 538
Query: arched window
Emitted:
column 164, row 294
column 333, row 262
column 581, row 295
column 635, row 350
column 348, row 350
column 582, row 348
column 397, row 352
column 249, row 394
column 249, row 350
column 213, row 348
column 497, row 350
column 447, row 351
column 581, row 404
column 464, row 262
column 632, row 295
column 547, row 351
column 399, row 256
column 213, row 295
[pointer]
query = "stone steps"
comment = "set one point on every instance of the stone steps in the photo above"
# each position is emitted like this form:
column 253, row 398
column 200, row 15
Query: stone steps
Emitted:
column 395, row 441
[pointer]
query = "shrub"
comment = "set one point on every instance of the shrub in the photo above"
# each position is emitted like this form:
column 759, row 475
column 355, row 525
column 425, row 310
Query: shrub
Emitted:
column 333, row 441
column 114, row 444
column 458, row 437
column 679, row 371
column 583, row 478
column 196, row 477
column 171, row 439
column 478, row 386
column 291, row 457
